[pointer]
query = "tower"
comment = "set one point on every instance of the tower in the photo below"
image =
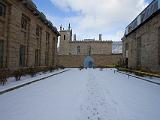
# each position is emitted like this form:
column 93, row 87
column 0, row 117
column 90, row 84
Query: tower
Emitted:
column 65, row 38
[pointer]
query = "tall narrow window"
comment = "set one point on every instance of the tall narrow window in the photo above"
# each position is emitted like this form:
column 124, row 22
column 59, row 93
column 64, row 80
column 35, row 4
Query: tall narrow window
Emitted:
column 159, row 44
column 78, row 50
column 1, row 53
column 89, row 50
column 2, row 10
column 139, row 51
column 24, row 22
column 37, row 57
column 39, row 35
column 64, row 37
column 47, row 39
column 38, row 30
column 126, row 49
column 46, row 58
column 22, row 56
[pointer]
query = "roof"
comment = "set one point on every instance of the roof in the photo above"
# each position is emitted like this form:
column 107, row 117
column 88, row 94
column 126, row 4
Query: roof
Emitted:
column 150, row 11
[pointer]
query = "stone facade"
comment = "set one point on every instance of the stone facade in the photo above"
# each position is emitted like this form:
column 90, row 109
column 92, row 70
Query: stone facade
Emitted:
column 84, row 47
column 141, row 47
column 72, row 53
column 27, row 38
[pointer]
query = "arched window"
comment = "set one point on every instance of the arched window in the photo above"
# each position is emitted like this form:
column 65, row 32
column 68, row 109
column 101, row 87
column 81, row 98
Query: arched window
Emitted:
column 2, row 9
column 78, row 49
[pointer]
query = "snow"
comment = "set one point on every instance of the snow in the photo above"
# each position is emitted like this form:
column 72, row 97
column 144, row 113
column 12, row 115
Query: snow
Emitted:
column 91, row 94
column 11, row 82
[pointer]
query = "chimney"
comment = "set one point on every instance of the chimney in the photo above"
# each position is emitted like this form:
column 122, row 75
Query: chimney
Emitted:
column 100, row 37
column 75, row 37
column 61, row 28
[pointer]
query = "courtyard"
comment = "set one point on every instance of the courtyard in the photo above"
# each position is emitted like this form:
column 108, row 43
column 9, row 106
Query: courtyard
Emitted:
column 88, row 94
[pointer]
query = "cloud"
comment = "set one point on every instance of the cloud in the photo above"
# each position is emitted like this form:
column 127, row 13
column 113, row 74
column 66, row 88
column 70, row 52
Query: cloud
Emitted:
column 109, row 17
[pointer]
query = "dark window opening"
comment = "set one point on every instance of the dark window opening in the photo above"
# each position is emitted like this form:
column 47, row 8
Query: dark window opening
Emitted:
column 24, row 22
column 126, row 46
column 46, row 58
column 1, row 53
column 47, row 39
column 139, row 51
column 22, row 56
column 2, row 10
column 37, row 57
column 38, row 31
column 159, row 45
column 64, row 37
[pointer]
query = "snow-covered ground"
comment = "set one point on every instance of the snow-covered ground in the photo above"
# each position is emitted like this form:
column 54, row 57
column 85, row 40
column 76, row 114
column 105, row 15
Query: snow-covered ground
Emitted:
column 83, row 95
column 11, row 82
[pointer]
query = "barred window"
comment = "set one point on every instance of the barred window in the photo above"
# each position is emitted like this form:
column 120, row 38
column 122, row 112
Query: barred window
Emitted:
column 2, row 9
column 1, row 53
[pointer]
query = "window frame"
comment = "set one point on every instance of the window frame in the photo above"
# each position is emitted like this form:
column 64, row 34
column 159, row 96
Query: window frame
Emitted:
column 22, row 56
column 47, row 39
column 3, row 12
column 2, row 56
column 78, row 50
column 24, row 22
column 139, row 51
column 159, row 45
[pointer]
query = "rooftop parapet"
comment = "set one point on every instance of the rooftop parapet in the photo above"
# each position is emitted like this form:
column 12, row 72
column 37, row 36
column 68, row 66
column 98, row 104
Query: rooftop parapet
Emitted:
column 152, row 8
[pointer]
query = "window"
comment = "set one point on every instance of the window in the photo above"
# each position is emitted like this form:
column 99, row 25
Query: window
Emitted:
column 47, row 39
column 139, row 51
column 46, row 58
column 2, row 10
column 64, row 37
column 78, row 50
column 159, row 45
column 22, row 56
column 1, row 53
column 126, row 46
column 37, row 57
column 89, row 50
column 24, row 22
column 38, row 31
column 126, row 49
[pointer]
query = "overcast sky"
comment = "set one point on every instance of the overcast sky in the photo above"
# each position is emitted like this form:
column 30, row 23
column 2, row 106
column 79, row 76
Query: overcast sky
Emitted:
column 89, row 18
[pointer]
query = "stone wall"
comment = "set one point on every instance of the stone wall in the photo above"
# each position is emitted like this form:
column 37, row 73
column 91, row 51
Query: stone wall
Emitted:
column 77, row 60
column 69, row 47
column 143, row 45
column 97, row 47
column 14, row 36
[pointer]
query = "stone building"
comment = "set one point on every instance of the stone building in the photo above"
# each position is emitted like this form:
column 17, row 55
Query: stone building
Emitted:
column 83, row 47
column 27, row 38
column 87, row 52
column 141, row 42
